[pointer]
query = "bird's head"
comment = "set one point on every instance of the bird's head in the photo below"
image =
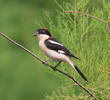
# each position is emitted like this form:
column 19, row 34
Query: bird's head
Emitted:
column 42, row 33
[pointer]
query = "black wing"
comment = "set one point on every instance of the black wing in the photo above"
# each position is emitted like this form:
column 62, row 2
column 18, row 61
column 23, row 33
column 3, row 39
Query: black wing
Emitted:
column 53, row 44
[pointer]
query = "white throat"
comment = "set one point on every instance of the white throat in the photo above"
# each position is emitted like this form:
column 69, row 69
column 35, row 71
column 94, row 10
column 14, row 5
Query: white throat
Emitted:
column 42, row 37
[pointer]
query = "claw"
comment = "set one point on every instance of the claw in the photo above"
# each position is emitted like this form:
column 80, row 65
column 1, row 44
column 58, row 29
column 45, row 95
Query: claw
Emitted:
column 54, row 68
column 45, row 63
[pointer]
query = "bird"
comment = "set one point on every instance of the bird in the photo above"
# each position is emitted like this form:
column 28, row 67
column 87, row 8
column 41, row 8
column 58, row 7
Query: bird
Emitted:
column 55, row 50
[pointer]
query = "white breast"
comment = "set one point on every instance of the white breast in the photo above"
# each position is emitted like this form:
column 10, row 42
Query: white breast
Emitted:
column 42, row 46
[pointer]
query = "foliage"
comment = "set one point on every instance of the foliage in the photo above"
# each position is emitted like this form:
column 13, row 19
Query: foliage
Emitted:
column 88, row 39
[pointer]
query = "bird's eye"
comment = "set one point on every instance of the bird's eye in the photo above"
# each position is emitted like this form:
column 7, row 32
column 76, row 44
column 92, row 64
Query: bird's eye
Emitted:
column 42, row 31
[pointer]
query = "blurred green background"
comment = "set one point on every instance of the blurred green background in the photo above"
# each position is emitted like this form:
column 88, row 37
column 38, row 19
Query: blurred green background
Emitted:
column 22, row 77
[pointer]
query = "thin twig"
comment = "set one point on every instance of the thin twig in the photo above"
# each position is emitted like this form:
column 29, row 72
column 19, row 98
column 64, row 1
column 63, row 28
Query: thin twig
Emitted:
column 106, row 24
column 67, row 75
column 103, row 21
column 86, row 15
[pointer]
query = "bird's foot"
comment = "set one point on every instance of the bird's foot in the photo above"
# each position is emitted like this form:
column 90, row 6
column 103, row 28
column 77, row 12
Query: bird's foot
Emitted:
column 45, row 63
column 54, row 68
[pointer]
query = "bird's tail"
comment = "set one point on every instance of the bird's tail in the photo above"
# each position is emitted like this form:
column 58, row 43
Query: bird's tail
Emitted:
column 80, row 73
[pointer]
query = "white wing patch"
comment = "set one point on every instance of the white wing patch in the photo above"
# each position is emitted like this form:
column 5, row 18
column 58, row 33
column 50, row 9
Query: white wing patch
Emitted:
column 54, row 42
column 60, row 51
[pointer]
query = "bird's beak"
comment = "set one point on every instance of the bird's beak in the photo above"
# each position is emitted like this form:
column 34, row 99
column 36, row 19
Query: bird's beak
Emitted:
column 35, row 34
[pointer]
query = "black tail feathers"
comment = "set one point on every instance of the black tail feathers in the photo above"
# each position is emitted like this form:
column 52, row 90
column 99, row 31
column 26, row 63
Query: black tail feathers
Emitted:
column 76, row 57
column 81, row 74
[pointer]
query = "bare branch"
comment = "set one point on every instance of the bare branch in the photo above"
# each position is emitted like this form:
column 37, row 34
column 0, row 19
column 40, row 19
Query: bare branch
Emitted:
column 52, row 67
column 106, row 24
column 88, row 15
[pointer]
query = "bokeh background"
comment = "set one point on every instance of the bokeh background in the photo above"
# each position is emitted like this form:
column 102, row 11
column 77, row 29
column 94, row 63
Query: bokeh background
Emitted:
column 22, row 77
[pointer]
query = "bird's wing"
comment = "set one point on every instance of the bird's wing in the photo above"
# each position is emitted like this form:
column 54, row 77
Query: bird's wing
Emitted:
column 55, row 45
